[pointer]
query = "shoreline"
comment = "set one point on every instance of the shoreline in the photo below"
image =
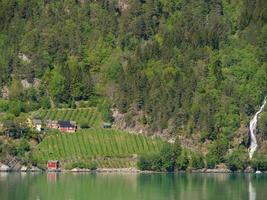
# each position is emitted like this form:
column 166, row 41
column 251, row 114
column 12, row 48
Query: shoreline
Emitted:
column 130, row 170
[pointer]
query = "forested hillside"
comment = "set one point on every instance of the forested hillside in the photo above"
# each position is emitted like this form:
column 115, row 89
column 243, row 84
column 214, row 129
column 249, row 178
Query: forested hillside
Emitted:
column 175, row 67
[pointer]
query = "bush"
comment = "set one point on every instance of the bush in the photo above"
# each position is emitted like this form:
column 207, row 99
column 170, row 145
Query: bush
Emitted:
column 156, row 162
column 45, row 102
column 23, row 147
column 167, row 155
column 197, row 161
column 144, row 163
column 84, row 124
column 3, row 105
column 211, row 161
column 217, row 152
column 82, row 165
column 182, row 162
column 167, row 159
column 259, row 162
column 150, row 162
column 92, row 165
column 15, row 108
column 105, row 110
column 237, row 160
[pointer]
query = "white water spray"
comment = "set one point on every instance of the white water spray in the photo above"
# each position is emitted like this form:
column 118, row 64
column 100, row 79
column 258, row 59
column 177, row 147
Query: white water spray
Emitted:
column 252, row 129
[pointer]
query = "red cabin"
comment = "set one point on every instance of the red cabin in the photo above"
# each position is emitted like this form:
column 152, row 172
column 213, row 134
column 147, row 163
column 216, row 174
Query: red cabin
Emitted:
column 53, row 165
column 67, row 126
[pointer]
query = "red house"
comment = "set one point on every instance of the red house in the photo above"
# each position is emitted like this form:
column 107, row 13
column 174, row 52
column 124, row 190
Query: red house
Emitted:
column 53, row 165
column 67, row 126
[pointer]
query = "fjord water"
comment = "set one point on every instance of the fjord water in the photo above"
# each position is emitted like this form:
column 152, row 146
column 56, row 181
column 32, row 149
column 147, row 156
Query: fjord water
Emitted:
column 68, row 186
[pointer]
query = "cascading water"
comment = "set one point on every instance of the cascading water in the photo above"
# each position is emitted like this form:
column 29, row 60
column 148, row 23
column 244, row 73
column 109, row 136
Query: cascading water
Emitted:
column 252, row 130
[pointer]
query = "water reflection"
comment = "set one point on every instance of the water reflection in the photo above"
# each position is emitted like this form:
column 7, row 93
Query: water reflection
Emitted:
column 52, row 177
column 251, row 190
column 133, row 186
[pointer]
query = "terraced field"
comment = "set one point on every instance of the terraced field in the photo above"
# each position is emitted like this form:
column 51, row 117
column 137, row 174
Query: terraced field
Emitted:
column 91, row 115
column 109, row 148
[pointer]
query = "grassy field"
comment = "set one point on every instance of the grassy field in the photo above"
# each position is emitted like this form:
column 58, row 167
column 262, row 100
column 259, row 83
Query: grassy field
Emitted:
column 91, row 115
column 109, row 148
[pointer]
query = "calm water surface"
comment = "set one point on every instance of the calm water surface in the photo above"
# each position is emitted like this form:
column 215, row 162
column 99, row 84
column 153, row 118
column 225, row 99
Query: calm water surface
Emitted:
column 68, row 186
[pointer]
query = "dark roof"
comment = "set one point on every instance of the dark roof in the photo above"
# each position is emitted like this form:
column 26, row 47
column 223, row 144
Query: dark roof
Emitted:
column 65, row 124
column 52, row 161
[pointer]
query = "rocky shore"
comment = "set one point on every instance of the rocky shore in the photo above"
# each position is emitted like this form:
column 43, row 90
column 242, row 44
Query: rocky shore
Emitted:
column 6, row 168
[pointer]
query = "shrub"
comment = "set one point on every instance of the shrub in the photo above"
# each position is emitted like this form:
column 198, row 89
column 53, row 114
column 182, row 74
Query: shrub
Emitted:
column 237, row 160
column 170, row 156
column 167, row 157
column 105, row 110
column 182, row 162
column 217, row 152
column 15, row 108
column 177, row 148
column 84, row 124
column 150, row 162
column 259, row 162
column 23, row 147
column 197, row 161
column 156, row 162
column 3, row 105
column 82, row 165
column 144, row 163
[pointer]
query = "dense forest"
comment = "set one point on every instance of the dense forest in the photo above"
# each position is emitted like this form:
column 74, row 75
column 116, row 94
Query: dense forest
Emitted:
column 176, row 67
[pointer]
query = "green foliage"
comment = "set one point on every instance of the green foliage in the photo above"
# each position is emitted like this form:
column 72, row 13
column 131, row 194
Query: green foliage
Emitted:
column 84, row 123
column 15, row 90
column 23, row 147
column 179, row 62
column 182, row 162
column 105, row 110
column 147, row 162
column 263, row 124
column 188, row 66
column 82, row 165
column 169, row 158
column 82, row 116
column 196, row 161
column 15, row 108
column 177, row 148
column 108, row 148
column 259, row 162
column 15, row 129
column 237, row 160
column 56, row 86
column 217, row 152
column 3, row 105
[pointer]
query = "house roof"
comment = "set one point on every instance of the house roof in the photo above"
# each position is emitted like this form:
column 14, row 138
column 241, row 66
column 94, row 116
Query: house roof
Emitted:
column 65, row 124
column 106, row 124
column 37, row 121
column 52, row 161
column 51, row 122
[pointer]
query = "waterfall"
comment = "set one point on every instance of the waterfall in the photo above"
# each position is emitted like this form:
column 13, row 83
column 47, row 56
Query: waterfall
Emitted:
column 252, row 130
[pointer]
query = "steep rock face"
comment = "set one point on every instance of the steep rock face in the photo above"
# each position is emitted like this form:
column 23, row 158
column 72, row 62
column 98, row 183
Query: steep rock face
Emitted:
column 34, row 83
column 123, row 4
column 129, row 123
column 241, row 136
column 5, row 92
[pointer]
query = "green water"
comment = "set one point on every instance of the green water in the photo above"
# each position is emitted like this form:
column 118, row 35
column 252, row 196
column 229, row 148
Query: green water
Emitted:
column 68, row 186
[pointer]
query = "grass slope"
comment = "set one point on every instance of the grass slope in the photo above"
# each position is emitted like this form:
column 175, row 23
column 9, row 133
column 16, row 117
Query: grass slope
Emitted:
column 91, row 115
column 109, row 148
